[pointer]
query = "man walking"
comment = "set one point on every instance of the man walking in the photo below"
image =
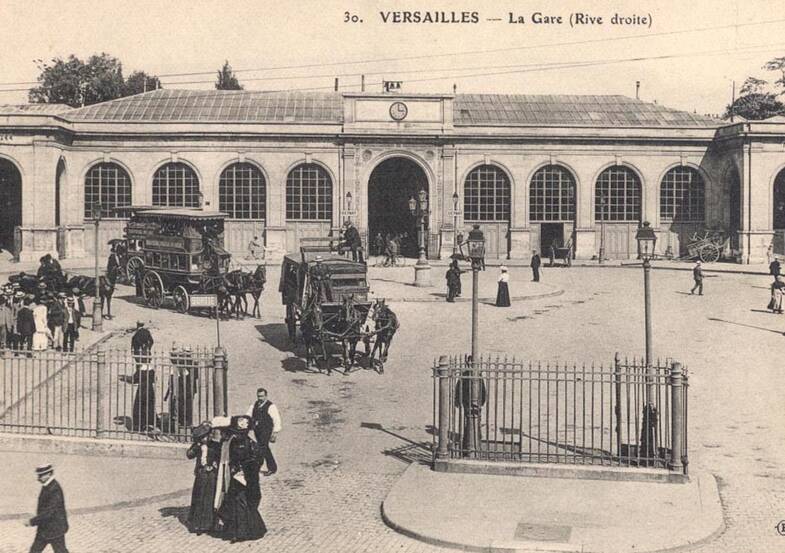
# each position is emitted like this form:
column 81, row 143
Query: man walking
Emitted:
column 51, row 518
column 266, row 423
column 536, row 262
column 774, row 268
column 697, row 275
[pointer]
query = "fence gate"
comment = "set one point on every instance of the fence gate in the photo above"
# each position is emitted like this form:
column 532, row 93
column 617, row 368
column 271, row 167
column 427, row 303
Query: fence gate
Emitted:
column 111, row 393
column 507, row 410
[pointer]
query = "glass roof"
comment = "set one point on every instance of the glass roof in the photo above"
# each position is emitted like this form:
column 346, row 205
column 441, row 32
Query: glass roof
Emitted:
column 327, row 107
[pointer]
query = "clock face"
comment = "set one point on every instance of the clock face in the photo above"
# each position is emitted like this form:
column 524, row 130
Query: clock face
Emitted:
column 398, row 110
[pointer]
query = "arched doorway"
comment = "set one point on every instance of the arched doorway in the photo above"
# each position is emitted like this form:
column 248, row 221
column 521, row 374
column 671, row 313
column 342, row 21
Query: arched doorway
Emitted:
column 10, row 203
column 391, row 184
column 778, row 215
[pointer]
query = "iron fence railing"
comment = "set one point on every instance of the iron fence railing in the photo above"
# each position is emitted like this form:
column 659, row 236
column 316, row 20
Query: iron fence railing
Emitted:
column 499, row 409
column 109, row 393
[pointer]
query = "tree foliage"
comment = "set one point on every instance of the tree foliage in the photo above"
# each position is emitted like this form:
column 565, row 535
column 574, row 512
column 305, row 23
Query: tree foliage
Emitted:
column 139, row 82
column 755, row 106
column 759, row 100
column 226, row 79
column 78, row 83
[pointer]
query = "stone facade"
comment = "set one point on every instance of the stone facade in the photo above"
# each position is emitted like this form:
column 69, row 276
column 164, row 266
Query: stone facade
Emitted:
column 53, row 152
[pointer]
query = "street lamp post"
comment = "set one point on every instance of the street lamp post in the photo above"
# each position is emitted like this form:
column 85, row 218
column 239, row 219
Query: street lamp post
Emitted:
column 419, row 209
column 647, row 240
column 476, row 246
column 455, row 199
column 98, row 319
column 603, row 201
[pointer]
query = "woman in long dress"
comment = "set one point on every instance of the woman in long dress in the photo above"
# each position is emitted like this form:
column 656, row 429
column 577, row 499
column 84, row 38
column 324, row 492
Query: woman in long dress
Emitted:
column 777, row 291
column 239, row 510
column 143, row 411
column 206, row 449
column 503, row 292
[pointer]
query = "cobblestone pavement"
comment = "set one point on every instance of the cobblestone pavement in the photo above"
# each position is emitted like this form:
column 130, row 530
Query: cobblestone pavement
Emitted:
column 348, row 437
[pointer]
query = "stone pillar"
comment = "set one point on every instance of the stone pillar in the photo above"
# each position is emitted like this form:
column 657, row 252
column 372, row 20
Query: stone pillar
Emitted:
column 447, row 228
column 586, row 235
column 275, row 218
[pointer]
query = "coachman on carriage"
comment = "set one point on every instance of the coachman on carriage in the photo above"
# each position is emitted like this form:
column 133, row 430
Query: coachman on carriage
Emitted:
column 327, row 296
column 179, row 254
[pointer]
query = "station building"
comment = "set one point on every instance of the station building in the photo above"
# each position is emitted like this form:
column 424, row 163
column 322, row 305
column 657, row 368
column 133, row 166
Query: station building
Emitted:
column 531, row 170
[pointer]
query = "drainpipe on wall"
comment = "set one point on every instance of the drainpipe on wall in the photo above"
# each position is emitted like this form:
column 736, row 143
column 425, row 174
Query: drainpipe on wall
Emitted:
column 749, row 199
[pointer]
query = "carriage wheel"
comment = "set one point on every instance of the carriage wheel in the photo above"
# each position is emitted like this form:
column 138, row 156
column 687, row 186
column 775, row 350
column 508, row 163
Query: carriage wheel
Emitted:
column 130, row 269
column 709, row 253
column 153, row 289
column 182, row 302
column 291, row 323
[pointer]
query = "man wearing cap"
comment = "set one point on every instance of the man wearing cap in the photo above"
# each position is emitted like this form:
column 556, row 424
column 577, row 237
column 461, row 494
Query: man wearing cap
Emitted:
column 51, row 518
column 141, row 343
column 56, row 319
column 697, row 276
column 13, row 333
column 266, row 423
column 535, row 264
column 320, row 276
column 79, row 302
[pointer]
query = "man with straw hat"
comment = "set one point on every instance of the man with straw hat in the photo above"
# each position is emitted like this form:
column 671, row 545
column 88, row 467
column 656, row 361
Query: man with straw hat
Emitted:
column 51, row 518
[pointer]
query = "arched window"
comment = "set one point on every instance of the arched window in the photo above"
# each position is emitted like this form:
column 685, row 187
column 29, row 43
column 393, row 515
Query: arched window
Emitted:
column 552, row 195
column 176, row 185
column 486, row 195
column 309, row 193
column 617, row 195
column 682, row 196
column 109, row 185
column 242, row 191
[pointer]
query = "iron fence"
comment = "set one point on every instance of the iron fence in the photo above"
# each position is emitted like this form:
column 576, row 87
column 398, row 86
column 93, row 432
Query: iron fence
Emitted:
column 627, row 414
column 108, row 393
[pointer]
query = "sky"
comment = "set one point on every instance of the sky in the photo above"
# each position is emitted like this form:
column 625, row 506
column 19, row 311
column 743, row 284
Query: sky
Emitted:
column 686, row 55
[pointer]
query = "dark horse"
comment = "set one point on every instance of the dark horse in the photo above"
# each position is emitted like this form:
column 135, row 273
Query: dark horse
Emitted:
column 387, row 325
column 86, row 287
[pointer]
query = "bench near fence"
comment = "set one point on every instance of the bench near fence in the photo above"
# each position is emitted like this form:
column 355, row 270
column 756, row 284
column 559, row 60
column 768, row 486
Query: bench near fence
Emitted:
column 108, row 393
column 623, row 415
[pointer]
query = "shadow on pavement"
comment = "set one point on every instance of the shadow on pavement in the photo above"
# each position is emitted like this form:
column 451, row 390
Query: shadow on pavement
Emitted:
column 276, row 335
column 411, row 452
column 180, row 513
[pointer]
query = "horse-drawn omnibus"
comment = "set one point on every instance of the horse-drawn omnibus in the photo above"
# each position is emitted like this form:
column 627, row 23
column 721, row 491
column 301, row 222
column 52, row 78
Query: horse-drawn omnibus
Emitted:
column 326, row 294
column 182, row 254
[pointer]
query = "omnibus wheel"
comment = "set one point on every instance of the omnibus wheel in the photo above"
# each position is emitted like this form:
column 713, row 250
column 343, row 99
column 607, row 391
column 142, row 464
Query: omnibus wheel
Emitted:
column 182, row 302
column 131, row 267
column 153, row 289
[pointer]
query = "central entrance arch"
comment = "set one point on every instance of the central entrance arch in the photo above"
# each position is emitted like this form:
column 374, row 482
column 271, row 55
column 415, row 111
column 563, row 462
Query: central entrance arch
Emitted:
column 391, row 184
column 10, row 203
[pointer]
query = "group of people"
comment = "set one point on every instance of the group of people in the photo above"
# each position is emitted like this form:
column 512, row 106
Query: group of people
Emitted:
column 39, row 321
column 389, row 246
column 229, row 455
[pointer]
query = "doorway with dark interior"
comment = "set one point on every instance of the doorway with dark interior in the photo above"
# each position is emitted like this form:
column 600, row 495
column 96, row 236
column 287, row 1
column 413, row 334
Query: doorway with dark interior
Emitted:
column 551, row 235
column 392, row 184
column 10, row 203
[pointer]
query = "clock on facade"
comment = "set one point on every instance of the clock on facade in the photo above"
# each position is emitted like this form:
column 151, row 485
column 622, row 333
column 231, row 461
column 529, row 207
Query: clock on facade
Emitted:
column 398, row 110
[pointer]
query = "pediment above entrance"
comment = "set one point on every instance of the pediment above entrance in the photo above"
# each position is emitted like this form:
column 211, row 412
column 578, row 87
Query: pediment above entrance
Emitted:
column 391, row 113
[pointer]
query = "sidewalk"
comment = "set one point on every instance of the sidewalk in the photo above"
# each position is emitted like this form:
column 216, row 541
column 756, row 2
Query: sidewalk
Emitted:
column 475, row 512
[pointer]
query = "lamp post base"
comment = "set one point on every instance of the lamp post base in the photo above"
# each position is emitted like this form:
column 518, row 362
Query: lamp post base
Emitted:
column 98, row 316
column 422, row 275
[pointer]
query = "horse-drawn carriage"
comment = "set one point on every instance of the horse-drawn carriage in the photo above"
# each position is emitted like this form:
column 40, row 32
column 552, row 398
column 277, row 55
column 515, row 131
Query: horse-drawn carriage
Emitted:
column 181, row 255
column 327, row 296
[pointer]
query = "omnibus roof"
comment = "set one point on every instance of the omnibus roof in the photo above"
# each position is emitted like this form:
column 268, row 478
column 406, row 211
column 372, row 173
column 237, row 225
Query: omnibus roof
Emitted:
column 181, row 213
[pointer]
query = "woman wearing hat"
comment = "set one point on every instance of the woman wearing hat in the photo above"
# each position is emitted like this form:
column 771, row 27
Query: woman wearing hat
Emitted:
column 503, row 292
column 241, row 458
column 206, row 449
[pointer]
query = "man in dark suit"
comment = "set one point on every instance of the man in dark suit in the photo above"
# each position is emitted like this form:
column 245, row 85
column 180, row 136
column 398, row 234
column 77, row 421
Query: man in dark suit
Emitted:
column 352, row 240
column 536, row 262
column 25, row 325
column 142, row 343
column 71, row 323
column 50, row 518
